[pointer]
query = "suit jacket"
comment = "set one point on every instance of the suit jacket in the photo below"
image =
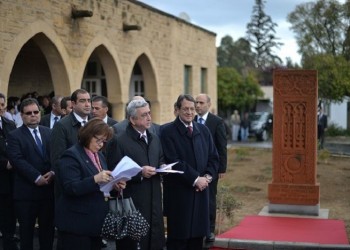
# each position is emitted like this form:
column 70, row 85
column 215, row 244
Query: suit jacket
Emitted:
column 81, row 207
column 29, row 163
column 6, row 176
column 111, row 121
column 64, row 135
column 186, row 209
column 121, row 126
column 321, row 124
column 45, row 120
column 218, row 131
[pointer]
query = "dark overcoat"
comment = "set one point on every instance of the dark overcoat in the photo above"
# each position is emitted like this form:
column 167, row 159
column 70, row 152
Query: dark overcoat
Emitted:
column 145, row 192
column 6, row 176
column 81, row 207
column 186, row 209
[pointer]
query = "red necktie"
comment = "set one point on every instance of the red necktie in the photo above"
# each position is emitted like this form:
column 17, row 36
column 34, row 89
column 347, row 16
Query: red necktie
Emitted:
column 190, row 130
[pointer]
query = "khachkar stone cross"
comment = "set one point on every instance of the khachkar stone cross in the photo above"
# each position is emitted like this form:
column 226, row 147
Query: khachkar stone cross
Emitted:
column 294, row 189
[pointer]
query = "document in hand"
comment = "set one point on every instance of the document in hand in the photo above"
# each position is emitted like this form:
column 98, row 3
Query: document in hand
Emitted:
column 125, row 170
column 167, row 169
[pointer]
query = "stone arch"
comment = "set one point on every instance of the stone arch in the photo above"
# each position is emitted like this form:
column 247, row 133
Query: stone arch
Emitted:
column 147, row 64
column 53, row 49
column 104, row 49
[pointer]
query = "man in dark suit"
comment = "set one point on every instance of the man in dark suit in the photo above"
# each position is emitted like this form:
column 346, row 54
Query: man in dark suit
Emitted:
column 65, row 132
column 186, row 196
column 7, row 213
column 29, row 153
column 218, row 132
column 99, row 108
column 144, row 147
column 121, row 126
column 66, row 106
column 49, row 120
column 322, row 124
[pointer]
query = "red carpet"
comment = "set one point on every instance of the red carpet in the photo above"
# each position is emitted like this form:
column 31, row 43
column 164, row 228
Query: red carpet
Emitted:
column 269, row 228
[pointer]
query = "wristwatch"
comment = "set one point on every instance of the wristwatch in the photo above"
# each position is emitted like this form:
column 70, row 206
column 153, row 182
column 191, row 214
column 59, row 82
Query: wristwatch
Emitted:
column 208, row 177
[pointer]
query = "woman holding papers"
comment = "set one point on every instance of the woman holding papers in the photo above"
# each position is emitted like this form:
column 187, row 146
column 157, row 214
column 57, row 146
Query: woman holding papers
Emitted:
column 81, row 209
column 145, row 149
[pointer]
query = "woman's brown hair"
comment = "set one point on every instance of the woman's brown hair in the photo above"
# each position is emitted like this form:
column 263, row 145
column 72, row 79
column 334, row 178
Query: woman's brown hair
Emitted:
column 93, row 128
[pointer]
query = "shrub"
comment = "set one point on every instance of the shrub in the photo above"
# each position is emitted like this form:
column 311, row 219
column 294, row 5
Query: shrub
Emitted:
column 335, row 130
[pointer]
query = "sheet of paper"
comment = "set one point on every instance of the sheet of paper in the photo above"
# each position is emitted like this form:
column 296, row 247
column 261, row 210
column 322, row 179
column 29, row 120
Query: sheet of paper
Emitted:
column 167, row 169
column 125, row 170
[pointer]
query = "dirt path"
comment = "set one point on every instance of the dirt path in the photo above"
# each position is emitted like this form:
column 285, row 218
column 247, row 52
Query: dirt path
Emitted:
column 250, row 171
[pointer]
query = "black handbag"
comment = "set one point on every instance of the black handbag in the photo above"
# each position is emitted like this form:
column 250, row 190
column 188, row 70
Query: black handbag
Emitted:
column 124, row 220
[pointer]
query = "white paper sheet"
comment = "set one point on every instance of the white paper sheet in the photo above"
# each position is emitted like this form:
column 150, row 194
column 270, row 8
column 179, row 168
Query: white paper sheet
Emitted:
column 124, row 171
column 167, row 169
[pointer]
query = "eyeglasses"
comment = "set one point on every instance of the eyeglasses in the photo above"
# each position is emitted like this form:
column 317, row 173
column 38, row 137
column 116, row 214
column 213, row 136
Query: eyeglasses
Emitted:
column 32, row 112
column 100, row 140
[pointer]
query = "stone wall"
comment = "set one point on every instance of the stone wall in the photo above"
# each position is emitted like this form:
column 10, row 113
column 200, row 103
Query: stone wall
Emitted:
column 163, row 46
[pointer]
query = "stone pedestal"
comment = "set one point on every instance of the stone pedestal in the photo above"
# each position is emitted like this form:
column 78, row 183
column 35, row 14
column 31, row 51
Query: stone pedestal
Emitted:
column 294, row 189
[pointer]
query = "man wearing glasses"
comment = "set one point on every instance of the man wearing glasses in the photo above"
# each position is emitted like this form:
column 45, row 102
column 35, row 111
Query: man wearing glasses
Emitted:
column 65, row 132
column 29, row 154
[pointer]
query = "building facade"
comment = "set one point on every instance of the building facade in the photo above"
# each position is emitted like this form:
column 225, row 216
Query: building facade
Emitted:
column 117, row 48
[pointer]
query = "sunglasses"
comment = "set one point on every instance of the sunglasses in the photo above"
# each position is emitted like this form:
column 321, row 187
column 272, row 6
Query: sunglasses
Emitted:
column 32, row 112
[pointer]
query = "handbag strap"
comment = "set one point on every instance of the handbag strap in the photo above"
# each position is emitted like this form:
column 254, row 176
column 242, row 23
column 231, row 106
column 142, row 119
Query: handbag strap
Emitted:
column 131, row 203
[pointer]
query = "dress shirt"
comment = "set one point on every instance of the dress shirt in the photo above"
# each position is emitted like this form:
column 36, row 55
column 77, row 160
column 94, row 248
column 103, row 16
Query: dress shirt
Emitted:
column 81, row 120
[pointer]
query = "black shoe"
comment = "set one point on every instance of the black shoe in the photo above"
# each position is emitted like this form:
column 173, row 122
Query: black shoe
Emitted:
column 210, row 238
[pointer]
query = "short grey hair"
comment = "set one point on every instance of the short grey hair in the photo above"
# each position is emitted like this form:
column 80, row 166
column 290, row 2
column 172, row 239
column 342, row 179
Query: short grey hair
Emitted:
column 131, row 109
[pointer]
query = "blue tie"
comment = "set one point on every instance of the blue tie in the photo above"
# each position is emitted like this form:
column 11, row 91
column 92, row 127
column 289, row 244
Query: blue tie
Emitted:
column 38, row 142
column 55, row 120
column 201, row 120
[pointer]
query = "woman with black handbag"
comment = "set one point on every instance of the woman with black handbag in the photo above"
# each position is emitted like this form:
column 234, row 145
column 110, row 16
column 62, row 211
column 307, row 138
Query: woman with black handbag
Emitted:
column 82, row 207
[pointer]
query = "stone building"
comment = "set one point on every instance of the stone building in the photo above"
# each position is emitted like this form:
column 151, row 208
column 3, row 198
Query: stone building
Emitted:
column 125, row 48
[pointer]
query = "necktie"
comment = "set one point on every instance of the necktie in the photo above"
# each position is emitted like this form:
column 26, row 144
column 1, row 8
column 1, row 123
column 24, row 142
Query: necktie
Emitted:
column 201, row 120
column 190, row 130
column 55, row 120
column 38, row 141
column 144, row 138
column 83, row 123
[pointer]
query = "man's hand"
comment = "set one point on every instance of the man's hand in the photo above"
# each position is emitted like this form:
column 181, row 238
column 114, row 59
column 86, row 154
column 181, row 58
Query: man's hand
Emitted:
column 148, row 171
column 201, row 184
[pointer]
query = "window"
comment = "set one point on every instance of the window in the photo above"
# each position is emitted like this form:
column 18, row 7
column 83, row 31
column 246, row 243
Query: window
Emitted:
column 204, row 79
column 187, row 79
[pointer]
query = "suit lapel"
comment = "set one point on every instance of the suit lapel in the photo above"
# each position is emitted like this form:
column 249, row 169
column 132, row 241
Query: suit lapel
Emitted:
column 87, row 161
column 26, row 132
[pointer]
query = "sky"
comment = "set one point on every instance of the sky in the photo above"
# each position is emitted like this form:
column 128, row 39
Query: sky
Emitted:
column 230, row 17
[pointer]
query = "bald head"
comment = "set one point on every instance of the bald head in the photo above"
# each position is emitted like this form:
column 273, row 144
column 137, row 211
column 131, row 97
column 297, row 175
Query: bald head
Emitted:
column 202, row 104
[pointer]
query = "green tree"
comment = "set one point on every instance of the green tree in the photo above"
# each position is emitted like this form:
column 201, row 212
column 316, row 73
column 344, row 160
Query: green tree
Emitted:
column 236, row 91
column 322, row 32
column 235, row 54
column 261, row 35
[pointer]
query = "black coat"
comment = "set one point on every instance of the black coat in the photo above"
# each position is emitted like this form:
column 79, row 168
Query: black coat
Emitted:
column 218, row 131
column 81, row 207
column 145, row 192
column 6, row 176
column 186, row 209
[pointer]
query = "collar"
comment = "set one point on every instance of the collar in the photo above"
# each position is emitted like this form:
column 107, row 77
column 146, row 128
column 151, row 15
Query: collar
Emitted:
column 185, row 123
column 79, row 118
column 205, row 117
column 105, row 119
